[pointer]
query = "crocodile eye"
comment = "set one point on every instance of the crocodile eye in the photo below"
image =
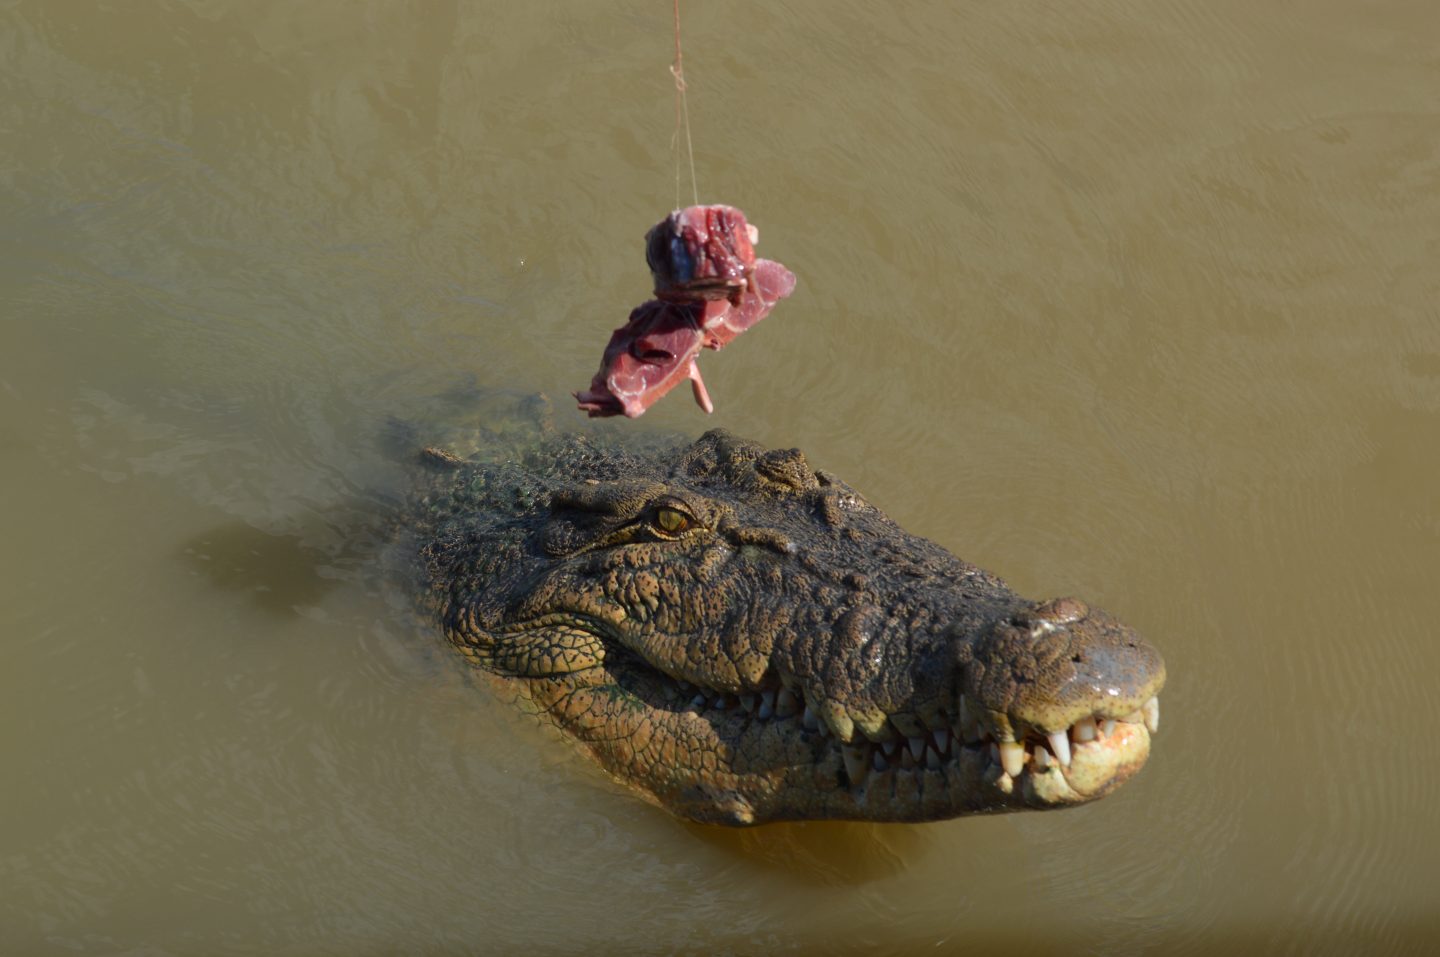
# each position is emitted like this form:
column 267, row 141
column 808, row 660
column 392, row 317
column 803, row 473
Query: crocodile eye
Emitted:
column 671, row 521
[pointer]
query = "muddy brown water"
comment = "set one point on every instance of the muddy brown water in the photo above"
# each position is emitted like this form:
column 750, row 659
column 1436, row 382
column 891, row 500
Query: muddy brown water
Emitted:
column 1128, row 300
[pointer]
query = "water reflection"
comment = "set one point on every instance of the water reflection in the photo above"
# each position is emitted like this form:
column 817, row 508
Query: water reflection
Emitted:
column 825, row 853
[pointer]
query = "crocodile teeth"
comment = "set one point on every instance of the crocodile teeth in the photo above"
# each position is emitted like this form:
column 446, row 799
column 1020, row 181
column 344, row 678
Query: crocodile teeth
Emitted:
column 749, row 699
column 785, row 703
column 941, row 741
column 1042, row 759
column 857, row 763
column 1012, row 757
column 767, row 705
column 1084, row 730
column 878, row 761
column 698, row 702
column 1151, row 711
column 811, row 722
column 1060, row 744
column 1108, row 728
column 917, row 748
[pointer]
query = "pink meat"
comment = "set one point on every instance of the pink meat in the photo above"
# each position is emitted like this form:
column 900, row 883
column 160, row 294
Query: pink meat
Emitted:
column 647, row 357
column 769, row 283
column 709, row 288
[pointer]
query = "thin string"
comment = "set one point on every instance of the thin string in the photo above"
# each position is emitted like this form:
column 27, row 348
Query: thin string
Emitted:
column 682, row 113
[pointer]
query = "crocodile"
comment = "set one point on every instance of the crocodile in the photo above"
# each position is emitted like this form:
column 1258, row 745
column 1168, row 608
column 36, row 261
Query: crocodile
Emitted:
column 741, row 638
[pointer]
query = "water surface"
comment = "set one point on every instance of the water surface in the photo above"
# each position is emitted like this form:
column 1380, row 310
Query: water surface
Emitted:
column 1128, row 300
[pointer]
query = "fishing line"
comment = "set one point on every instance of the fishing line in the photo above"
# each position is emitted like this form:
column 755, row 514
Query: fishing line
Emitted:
column 682, row 112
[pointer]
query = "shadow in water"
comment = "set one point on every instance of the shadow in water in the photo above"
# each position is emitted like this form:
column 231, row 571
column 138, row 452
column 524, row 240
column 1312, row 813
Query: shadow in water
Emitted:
column 828, row 853
column 284, row 572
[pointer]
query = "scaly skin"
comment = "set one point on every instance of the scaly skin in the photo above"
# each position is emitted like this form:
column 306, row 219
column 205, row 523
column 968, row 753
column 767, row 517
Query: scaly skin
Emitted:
column 742, row 639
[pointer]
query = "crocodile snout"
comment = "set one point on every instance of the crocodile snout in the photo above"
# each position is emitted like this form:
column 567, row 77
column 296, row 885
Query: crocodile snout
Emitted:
column 1065, row 694
column 1059, row 661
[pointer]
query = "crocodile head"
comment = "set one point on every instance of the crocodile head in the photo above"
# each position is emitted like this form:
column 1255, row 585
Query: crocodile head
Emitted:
column 743, row 639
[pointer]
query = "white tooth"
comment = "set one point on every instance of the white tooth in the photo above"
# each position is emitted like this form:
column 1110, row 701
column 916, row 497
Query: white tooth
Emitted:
column 917, row 748
column 749, row 699
column 942, row 741
column 1151, row 710
column 811, row 722
column 698, row 702
column 1012, row 757
column 879, row 762
column 1084, row 730
column 718, row 701
column 932, row 760
column 1108, row 727
column 857, row 763
column 1060, row 744
column 1042, row 759
column 785, row 703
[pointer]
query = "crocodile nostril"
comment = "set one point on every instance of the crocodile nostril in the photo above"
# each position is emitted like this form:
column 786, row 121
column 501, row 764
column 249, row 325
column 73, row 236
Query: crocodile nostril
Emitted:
column 1053, row 614
column 1063, row 611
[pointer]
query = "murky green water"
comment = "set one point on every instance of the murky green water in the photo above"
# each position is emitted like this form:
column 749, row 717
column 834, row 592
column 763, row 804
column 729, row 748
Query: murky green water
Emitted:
column 1134, row 301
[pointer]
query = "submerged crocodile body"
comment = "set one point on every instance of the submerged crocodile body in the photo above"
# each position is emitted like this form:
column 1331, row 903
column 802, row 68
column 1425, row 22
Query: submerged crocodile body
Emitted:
column 743, row 639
